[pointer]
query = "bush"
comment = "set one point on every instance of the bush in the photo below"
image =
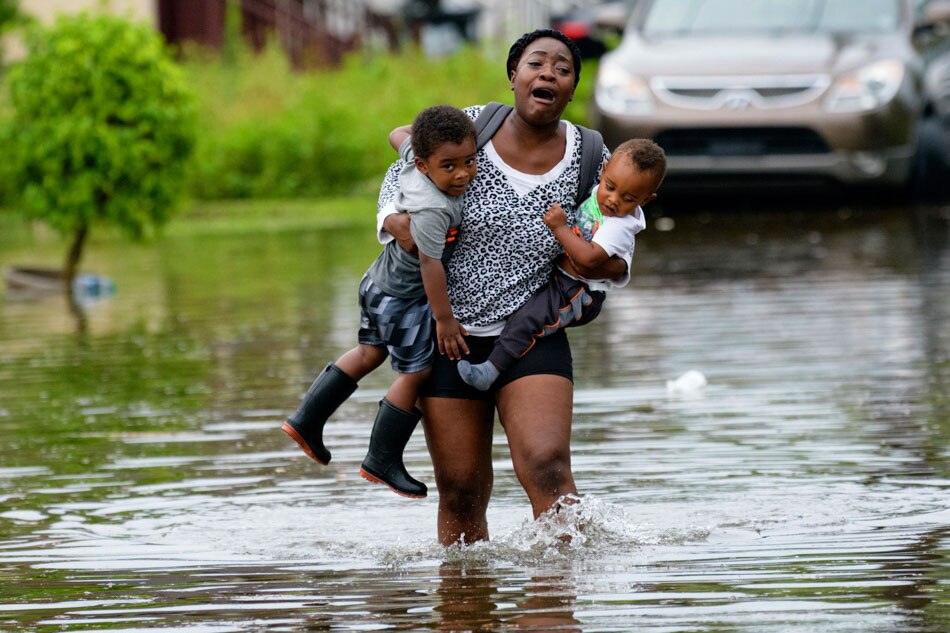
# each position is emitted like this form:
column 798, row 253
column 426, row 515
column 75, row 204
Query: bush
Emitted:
column 268, row 131
column 9, row 15
column 102, row 127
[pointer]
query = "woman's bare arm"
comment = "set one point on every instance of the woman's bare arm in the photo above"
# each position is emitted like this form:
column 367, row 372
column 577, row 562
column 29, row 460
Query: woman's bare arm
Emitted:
column 398, row 136
column 613, row 268
column 397, row 225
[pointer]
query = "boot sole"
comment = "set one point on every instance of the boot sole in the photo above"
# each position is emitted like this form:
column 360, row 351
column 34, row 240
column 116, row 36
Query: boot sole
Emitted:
column 302, row 443
column 368, row 476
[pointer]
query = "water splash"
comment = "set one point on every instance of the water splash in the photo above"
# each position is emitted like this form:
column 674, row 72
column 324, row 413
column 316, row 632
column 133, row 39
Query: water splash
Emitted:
column 586, row 525
column 578, row 527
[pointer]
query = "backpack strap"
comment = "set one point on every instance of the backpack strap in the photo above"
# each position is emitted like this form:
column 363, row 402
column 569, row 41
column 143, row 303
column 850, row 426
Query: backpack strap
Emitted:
column 488, row 121
column 592, row 151
column 592, row 144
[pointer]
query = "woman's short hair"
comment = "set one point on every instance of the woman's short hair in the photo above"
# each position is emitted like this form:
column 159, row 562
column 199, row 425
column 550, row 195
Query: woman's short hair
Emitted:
column 437, row 125
column 517, row 49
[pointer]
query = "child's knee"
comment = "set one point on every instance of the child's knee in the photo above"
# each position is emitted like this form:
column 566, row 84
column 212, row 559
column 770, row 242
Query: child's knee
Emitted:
column 373, row 356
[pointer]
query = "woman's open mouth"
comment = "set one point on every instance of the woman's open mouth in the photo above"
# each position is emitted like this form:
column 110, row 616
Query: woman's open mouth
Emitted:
column 544, row 94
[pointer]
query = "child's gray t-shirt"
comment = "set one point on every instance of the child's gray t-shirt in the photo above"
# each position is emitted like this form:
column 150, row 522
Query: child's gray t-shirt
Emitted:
column 432, row 213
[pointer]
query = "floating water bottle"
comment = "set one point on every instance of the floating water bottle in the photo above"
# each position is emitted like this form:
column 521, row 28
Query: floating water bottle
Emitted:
column 691, row 382
column 93, row 286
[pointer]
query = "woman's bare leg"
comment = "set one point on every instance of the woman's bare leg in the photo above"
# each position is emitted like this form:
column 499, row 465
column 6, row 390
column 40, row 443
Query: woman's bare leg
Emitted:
column 536, row 413
column 459, row 437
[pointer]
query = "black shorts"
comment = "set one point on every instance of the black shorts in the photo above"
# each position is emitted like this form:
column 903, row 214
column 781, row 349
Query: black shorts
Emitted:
column 550, row 355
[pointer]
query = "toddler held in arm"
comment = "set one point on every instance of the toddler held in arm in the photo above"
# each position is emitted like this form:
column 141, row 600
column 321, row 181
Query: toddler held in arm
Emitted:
column 607, row 222
column 399, row 296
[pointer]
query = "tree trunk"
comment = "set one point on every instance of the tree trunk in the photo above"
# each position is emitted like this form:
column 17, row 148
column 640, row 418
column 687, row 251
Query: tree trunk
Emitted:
column 73, row 257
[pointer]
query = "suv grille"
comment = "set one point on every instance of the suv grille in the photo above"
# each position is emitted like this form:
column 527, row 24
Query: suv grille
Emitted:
column 751, row 141
column 763, row 93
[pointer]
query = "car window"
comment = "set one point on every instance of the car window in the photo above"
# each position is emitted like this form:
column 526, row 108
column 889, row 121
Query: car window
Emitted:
column 666, row 17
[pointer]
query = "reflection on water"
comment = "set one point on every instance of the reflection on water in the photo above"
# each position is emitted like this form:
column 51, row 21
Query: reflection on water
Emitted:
column 144, row 484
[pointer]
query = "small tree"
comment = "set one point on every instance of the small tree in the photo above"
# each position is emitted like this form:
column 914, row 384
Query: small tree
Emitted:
column 102, row 128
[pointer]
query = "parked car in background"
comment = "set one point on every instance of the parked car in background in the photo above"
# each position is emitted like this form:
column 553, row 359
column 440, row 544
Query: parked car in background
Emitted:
column 592, row 26
column 763, row 91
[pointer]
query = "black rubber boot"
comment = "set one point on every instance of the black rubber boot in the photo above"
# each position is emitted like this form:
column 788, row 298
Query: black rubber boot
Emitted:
column 331, row 389
column 383, row 463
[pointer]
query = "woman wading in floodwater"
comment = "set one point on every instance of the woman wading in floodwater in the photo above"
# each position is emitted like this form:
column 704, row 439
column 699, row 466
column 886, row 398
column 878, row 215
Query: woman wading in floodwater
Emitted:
column 504, row 253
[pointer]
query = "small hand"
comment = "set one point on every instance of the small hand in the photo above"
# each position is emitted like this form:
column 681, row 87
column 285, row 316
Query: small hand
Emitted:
column 450, row 335
column 555, row 217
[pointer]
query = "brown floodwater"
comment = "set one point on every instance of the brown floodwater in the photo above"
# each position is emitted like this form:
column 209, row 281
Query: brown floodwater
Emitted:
column 144, row 483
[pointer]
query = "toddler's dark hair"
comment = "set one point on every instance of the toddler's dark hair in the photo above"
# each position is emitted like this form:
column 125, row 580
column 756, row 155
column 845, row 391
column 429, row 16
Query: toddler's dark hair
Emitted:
column 517, row 50
column 437, row 125
column 646, row 155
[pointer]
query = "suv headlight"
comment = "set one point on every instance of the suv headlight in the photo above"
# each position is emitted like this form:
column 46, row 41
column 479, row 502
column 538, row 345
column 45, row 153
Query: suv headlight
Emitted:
column 620, row 92
column 867, row 88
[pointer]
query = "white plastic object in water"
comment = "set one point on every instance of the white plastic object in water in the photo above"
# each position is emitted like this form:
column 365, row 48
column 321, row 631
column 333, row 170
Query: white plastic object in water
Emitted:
column 690, row 382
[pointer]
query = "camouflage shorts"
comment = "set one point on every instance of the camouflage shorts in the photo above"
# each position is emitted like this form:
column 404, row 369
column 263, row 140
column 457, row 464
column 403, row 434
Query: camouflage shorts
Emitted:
column 404, row 326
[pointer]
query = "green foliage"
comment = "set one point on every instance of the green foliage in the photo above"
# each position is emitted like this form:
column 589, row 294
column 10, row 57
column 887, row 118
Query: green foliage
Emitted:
column 233, row 25
column 102, row 126
column 10, row 18
column 9, row 13
column 271, row 132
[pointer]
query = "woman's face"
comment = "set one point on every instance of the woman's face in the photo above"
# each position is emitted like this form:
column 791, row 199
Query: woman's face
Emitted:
column 543, row 81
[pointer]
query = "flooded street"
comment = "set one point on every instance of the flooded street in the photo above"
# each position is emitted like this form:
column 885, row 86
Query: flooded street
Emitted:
column 144, row 483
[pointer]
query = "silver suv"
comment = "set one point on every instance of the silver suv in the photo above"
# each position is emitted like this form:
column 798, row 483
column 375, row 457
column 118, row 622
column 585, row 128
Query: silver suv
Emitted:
column 779, row 89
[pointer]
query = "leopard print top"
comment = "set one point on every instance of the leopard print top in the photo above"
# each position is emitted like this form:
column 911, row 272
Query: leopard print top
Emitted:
column 504, row 252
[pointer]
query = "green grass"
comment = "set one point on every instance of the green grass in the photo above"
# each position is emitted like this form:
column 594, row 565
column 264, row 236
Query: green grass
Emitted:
column 268, row 131
column 271, row 132
column 223, row 217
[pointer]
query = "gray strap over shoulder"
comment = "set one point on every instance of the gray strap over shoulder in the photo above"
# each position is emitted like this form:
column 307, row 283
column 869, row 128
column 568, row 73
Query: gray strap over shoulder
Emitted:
column 489, row 120
column 592, row 143
column 592, row 150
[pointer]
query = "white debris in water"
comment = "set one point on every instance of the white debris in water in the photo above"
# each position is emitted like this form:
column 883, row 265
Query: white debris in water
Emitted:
column 23, row 515
column 690, row 383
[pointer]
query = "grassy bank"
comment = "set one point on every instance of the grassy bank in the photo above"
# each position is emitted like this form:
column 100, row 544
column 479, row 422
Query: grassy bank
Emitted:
column 269, row 131
column 222, row 217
